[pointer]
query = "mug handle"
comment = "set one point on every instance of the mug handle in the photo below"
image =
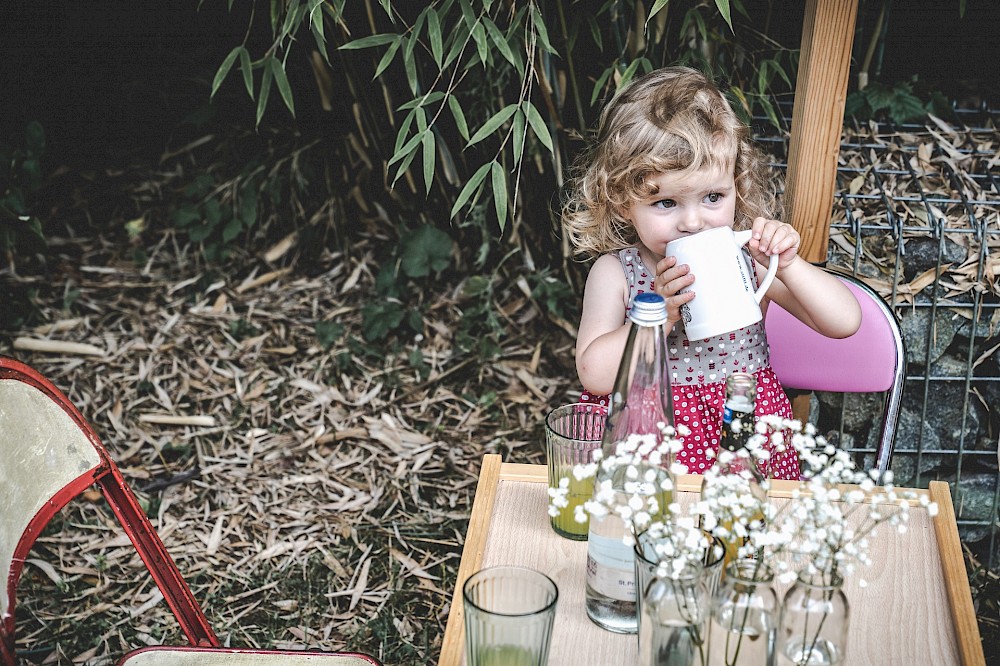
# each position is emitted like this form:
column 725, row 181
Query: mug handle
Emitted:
column 742, row 238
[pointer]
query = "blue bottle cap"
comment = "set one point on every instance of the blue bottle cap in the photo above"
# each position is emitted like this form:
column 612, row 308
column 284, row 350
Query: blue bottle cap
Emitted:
column 648, row 309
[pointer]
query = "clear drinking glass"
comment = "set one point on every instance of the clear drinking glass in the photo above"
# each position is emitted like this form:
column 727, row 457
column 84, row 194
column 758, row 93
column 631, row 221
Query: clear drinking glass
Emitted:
column 572, row 434
column 646, row 563
column 508, row 616
column 744, row 616
column 812, row 630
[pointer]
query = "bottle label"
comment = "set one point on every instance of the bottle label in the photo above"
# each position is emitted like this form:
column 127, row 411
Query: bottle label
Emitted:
column 610, row 567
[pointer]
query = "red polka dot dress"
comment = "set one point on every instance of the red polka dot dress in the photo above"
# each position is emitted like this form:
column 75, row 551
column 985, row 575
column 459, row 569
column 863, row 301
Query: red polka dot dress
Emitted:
column 698, row 380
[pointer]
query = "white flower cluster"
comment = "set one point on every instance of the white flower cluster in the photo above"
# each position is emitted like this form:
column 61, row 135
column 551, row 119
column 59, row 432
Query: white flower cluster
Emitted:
column 824, row 527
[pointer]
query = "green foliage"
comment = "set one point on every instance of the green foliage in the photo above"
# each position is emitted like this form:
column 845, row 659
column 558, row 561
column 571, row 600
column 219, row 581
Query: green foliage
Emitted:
column 419, row 254
column 554, row 295
column 218, row 211
column 328, row 332
column 424, row 250
column 898, row 103
column 487, row 96
column 480, row 328
column 20, row 178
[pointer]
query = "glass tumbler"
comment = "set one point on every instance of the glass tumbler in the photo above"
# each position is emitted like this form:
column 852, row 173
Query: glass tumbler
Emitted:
column 509, row 613
column 572, row 434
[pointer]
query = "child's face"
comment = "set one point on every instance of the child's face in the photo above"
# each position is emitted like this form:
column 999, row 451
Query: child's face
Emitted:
column 685, row 203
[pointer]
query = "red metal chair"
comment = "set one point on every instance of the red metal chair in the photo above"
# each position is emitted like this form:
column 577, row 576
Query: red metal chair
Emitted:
column 49, row 454
column 872, row 360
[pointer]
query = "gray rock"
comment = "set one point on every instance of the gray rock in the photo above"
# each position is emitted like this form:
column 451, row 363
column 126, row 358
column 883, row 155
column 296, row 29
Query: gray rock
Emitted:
column 973, row 499
column 921, row 254
column 987, row 324
column 949, row 365
column 908, row 435
column 861, row 410
column 918, row 327
column 951, row 417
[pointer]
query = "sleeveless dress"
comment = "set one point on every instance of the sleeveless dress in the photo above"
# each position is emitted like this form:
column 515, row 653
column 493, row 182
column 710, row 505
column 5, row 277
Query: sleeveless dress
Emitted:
column 698, row 380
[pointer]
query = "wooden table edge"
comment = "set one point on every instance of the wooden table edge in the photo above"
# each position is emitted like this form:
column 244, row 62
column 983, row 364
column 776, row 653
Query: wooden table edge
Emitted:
column 956, row 579
column 472, row 557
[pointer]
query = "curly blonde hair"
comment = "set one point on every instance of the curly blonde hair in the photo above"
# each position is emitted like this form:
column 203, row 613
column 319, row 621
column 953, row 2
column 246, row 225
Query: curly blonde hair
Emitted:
column 671, row 119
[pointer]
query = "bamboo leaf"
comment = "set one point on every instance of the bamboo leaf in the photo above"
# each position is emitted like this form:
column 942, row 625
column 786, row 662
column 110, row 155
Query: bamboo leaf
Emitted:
column 491, row 125
column 409, row 63
column 404, row 165
column 434, row 32
column 657, row 6
column 595, row 32
column 369, row 41
column 459, row 115
column 467, row 13
column 520, row 134
column 387, row 58
column 726, row 12
column 540, row 29
column 601, row 82
column 501, row 43
column 429, row 160
column 247, row 68
column 629, row 72
column 408, row 148
column 265, row 91
column 538, row 125
column 482, row 48
column 423, row 100
column 499, row 193
column 459, row 36
column 404, row 129
column 470, row 188
column 282, row 81
column 224, row 68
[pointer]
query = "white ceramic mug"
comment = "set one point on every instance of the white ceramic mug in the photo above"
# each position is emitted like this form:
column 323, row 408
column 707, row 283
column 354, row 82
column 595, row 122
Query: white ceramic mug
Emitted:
column 724, row 282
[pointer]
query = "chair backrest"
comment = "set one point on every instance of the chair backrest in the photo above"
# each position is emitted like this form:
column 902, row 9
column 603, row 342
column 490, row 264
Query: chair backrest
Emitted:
column 871, row 360
column 49, row 454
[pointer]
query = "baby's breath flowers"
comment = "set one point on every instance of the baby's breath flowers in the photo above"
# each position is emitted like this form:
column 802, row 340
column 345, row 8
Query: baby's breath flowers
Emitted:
column 828, row 521
column 825, row 526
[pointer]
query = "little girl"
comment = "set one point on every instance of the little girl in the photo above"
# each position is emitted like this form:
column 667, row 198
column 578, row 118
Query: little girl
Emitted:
column 671, row 159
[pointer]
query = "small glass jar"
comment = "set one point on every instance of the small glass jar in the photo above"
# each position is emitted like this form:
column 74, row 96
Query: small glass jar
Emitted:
column 674, row 619
column 812, row 628
column 744, row 616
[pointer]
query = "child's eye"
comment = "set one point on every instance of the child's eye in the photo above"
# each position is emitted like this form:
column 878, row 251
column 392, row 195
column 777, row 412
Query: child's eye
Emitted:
column 664, row 203
column 714, row 197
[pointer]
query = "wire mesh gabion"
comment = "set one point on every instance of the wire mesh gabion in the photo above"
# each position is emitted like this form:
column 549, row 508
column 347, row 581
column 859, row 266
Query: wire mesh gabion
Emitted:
column 917, row 216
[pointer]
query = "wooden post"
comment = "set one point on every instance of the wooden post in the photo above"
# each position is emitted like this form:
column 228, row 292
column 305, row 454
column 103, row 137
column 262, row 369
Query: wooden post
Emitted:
column 817, row 120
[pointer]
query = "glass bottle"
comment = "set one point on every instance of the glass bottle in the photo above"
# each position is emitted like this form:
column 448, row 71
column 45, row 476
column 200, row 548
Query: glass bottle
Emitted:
column 812, row 628
column 744, row 616
column 673, row 625
column 735, row 458
column 738, row 412
column 638, row 405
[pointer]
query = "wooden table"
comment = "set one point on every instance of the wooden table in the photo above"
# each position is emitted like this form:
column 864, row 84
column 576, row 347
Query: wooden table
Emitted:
column 916, row 608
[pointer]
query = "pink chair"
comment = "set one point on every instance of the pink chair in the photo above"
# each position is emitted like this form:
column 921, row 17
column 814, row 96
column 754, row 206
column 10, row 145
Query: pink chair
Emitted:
column 872, row 360
column 49, row 454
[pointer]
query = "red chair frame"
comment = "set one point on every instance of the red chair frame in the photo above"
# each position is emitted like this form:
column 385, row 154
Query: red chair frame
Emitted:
column 108, row 478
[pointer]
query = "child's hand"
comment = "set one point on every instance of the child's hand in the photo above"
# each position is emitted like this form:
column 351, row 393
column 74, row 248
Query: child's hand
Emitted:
column 670, row 279
column 771, row 237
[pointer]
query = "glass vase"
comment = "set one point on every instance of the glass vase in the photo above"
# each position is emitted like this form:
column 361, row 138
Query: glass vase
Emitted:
column 744, row 616
column 674, row 619
column 812, row 628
